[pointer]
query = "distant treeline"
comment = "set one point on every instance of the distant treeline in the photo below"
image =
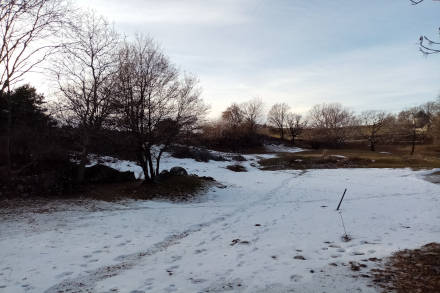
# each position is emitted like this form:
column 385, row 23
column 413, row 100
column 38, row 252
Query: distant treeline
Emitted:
column 328, row 125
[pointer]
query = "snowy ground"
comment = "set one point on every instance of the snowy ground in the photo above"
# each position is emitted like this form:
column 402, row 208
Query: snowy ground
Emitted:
column 243, row 238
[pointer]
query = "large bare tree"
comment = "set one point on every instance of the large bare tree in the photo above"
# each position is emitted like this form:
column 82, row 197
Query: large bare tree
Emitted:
column 407, row 120
column 332, row 122
column 253, row 113
column 28, row 29
column 374, row 122
column 84, row 73
column 233, row 116
column 277, row 117
column 295, row 124
column 155, row 103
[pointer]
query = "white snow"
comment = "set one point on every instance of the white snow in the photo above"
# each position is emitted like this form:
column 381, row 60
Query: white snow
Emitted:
column 157, row 246
column 280, row 148
column 338, row 156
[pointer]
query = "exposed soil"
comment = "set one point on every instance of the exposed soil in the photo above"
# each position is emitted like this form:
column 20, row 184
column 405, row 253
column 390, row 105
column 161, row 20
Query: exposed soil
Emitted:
column 173, row 188
column 348, row 158
column 236, row 168
column 408, row 271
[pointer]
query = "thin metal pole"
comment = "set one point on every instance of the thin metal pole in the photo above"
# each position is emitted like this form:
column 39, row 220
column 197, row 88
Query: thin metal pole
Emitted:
column 339, row 205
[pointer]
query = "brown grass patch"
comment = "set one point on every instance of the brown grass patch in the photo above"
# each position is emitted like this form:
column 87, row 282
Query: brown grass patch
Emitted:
column 408, row 271
column 174, row 188
column 350, row 158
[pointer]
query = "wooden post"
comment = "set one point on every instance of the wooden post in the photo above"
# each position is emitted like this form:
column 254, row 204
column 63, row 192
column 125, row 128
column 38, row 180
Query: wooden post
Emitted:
column 339, row 205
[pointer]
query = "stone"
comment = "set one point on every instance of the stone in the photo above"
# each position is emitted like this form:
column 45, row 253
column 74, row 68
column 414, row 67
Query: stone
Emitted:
column 178, row 171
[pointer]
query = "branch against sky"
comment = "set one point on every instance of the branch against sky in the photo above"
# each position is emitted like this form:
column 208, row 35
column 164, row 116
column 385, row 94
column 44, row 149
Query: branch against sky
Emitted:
column 427, row 46
column 27, row 30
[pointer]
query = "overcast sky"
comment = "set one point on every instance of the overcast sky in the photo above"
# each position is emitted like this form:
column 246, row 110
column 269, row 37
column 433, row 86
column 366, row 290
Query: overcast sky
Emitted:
column 360, row 53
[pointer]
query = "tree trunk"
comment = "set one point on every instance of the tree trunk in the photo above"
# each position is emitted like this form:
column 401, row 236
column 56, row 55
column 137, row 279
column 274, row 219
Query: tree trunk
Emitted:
column 372, row 144
column 282, row 133
column 293, row 139
column 8, row 134
column 150, row 165
column 413, row 141
column 158, row 162
column 143, row 164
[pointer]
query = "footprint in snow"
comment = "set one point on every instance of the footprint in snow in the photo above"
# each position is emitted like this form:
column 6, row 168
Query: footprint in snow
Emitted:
column 197, row 281
column 334, row 246
column 171, row 288
column 175, row 258
column 296, row 278
column 62, row 275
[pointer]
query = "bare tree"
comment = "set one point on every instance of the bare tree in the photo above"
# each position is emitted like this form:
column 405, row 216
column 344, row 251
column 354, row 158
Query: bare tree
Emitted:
column 155, row 104
column 27, row 30
column 277, row 117
column 84, row 74
column 233, row 116
column 426, row 45
column 407, row 120
column 253, row 113
column 295, row 124
column 374, row 122
column 332, row 121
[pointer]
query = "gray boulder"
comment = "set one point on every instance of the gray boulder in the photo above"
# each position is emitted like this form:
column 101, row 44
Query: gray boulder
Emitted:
column 178, row 171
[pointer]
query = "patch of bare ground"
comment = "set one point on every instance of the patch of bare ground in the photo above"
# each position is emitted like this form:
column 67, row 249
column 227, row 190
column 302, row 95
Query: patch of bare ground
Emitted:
column 236, row 168
column 172, row 188
column 349, row 158
column 433, row 177
column 411, row 271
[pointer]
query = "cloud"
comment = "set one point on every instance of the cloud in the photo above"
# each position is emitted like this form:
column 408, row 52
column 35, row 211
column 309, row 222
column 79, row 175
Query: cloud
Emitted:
column 202, row 12
column 371, row 78
column 362, row 54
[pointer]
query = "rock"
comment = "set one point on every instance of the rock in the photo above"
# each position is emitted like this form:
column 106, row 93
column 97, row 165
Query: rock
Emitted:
column 239, row 158
column 237, row 168
column 178, row 171
column 103, row 174
column 164, row 173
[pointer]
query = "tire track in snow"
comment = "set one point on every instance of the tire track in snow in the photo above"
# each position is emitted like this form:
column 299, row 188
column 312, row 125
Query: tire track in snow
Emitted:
column 87, row 282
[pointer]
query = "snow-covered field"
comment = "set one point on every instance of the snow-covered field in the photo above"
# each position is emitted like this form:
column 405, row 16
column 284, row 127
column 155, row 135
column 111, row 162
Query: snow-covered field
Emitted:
column 248, row 237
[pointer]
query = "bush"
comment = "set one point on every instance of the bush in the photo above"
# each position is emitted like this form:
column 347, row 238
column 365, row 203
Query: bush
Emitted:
column 200, row 155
